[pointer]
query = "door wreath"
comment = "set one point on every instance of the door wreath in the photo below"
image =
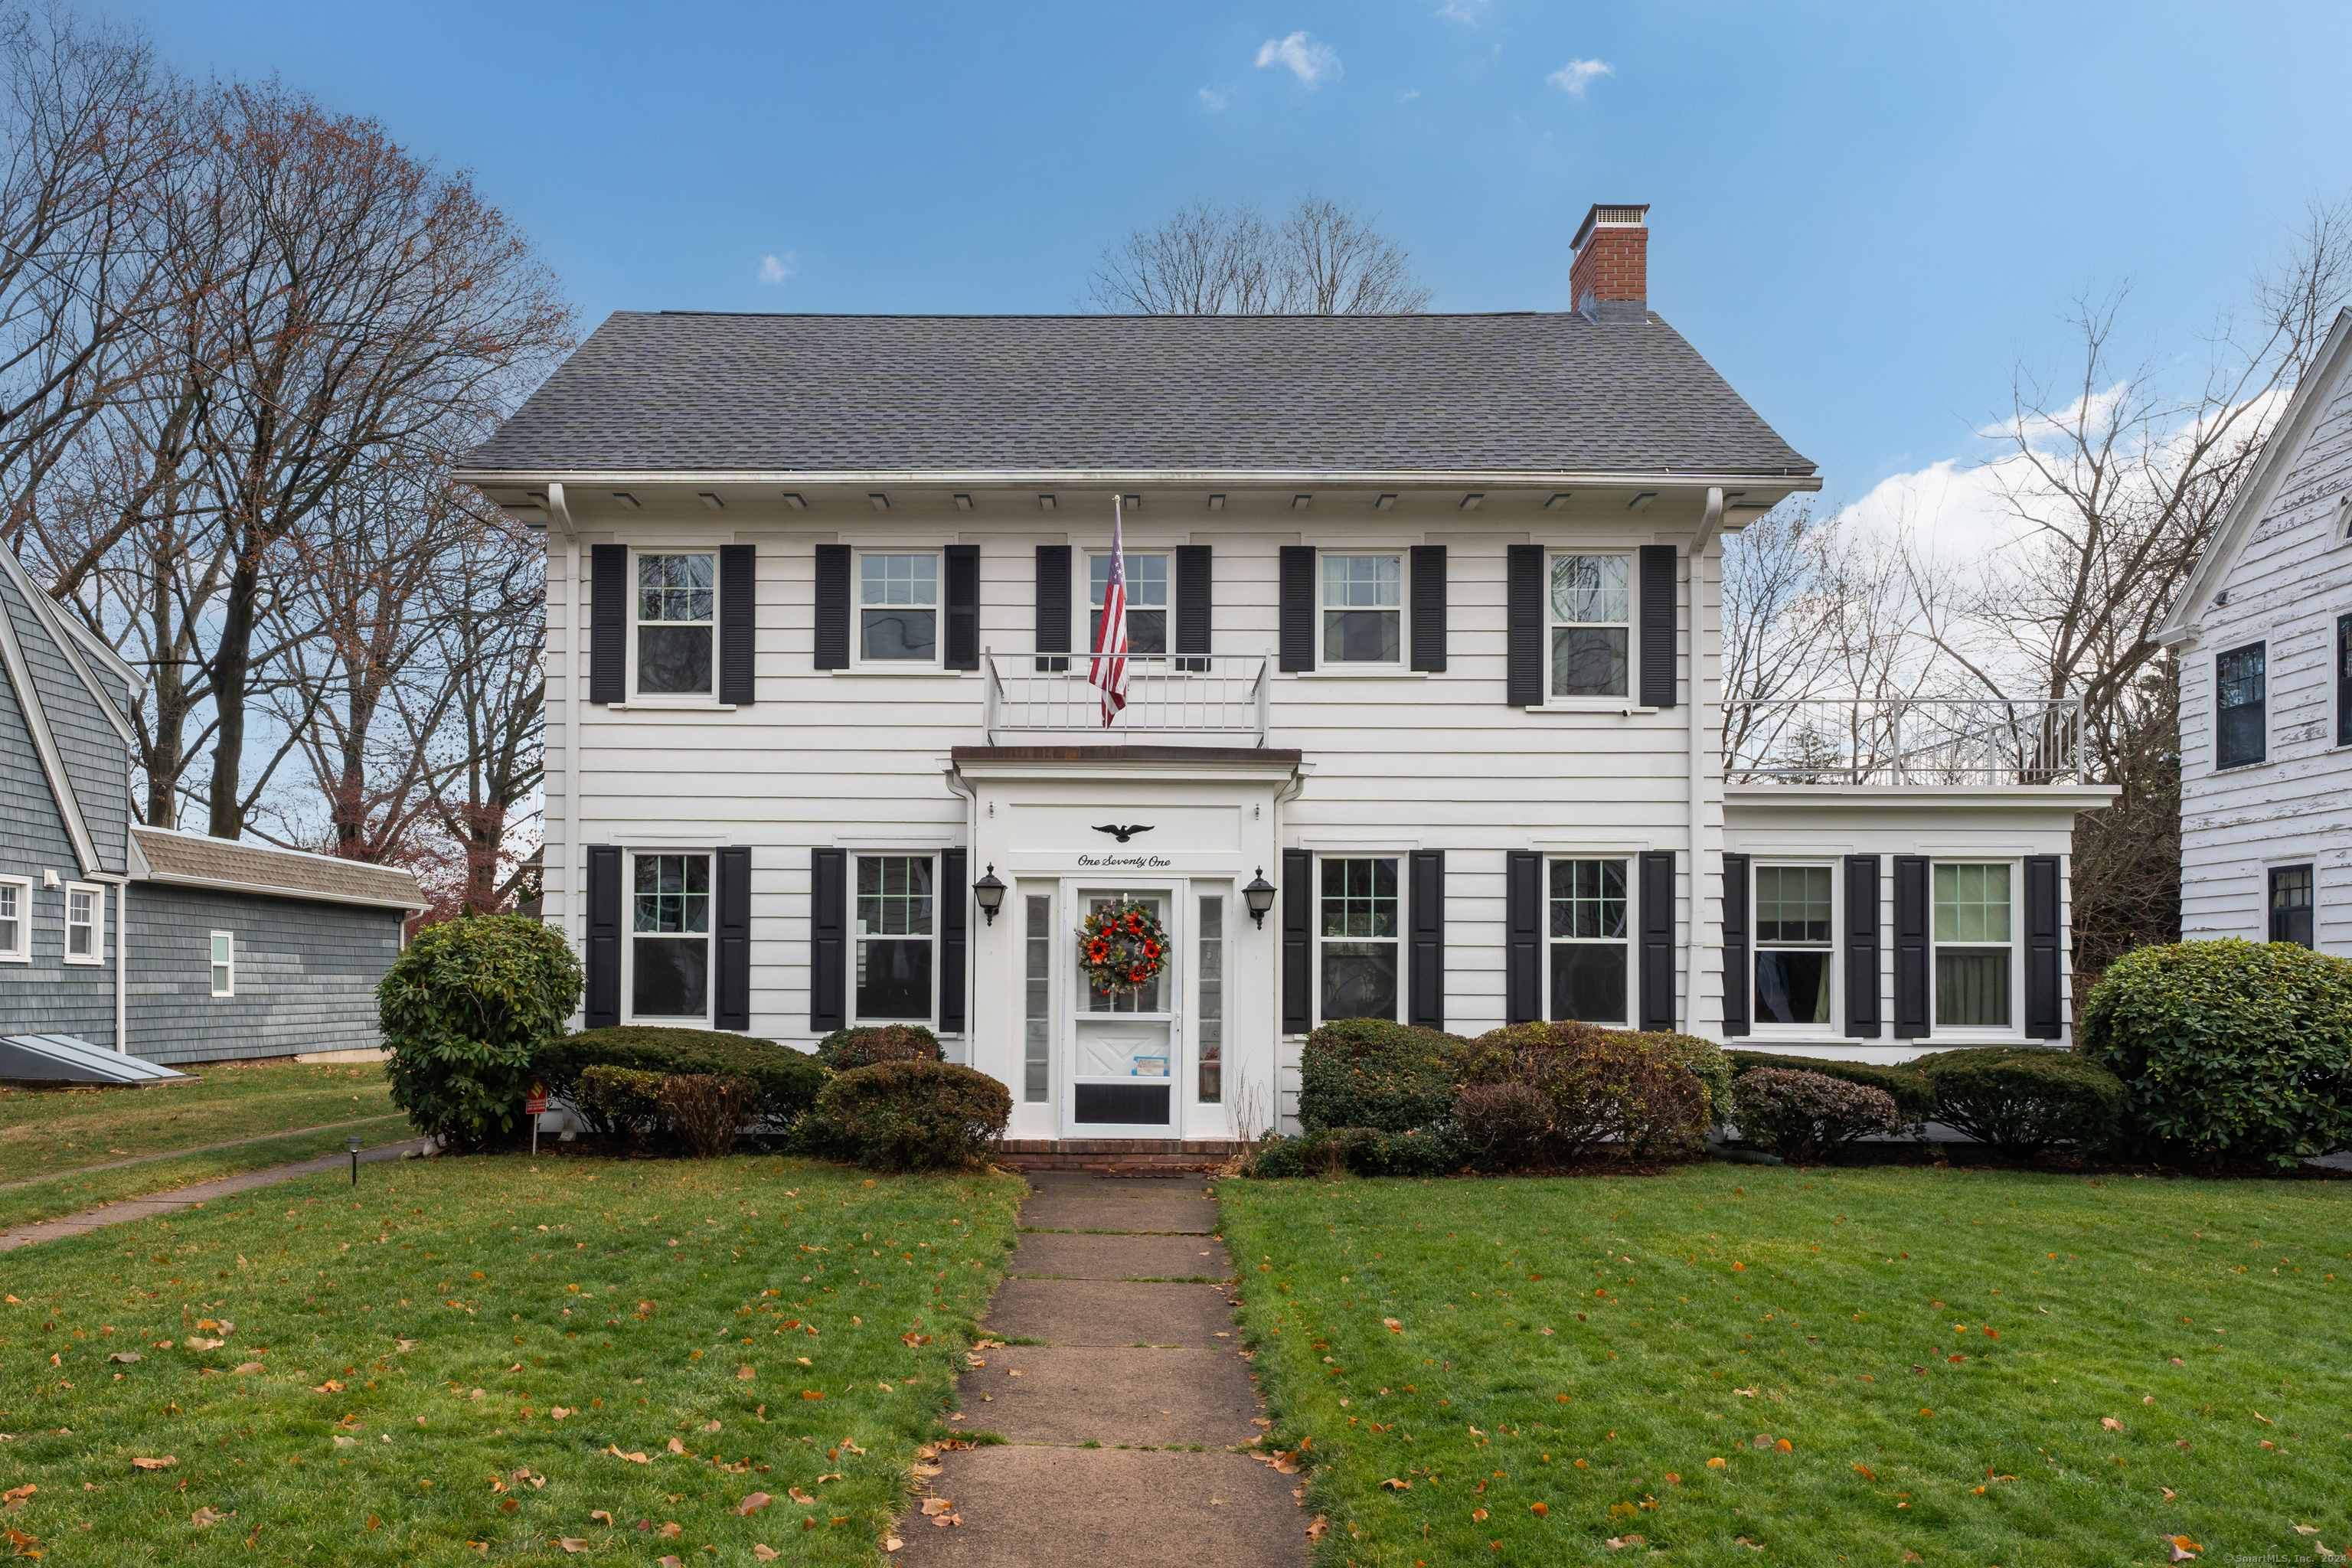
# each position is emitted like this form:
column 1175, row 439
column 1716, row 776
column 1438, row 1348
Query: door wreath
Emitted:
column 1122, row 948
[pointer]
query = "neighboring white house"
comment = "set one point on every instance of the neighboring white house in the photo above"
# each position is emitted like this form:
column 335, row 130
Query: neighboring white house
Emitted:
column 1425, row 616
column 2263, row 632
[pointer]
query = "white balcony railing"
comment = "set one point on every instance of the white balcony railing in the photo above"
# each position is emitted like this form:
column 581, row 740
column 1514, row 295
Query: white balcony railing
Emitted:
column 1904, row 741
column 1226, row 694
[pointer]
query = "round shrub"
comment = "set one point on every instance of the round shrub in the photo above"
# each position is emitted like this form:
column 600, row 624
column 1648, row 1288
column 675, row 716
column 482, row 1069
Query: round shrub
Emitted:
column 1707, row 1062
column 1802, row 1115
column 916, row 1115
column 1278, row 1158
column 618, row 1101
column 706, row 1110
column 784, row 1081
column 1509, row 1124
column 1371, row 1072
column 863, row 1047
column 1611, row 1092
column 1913, row 1095
column 2021, row 1101
column 2227, row 1049
column 464, row 1008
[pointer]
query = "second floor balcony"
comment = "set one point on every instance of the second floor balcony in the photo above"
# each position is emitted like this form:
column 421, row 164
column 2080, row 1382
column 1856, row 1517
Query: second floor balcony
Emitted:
column 1226, row 697
column 1904, row 741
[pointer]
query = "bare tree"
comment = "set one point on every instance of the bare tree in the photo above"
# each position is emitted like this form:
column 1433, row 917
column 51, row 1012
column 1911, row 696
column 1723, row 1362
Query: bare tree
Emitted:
column 1207, row 259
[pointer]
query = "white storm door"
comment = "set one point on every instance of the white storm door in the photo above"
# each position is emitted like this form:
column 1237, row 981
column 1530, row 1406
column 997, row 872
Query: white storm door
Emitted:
column 1126, row 1048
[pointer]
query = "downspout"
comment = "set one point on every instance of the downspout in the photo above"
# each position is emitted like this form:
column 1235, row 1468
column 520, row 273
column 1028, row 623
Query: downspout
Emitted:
column 121, row 965
column 957, row 785
column 1708, row 526
column 568, row 731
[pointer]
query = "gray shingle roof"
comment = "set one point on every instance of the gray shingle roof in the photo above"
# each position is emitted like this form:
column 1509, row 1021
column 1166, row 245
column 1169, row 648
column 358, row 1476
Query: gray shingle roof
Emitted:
column 1541, row 393
column 189, row 857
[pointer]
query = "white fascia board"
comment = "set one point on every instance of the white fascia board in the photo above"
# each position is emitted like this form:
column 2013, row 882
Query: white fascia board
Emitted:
column 268, row 891
column 44, row 743
column 2280, row 453
column 70, row 640
column 1388, row 478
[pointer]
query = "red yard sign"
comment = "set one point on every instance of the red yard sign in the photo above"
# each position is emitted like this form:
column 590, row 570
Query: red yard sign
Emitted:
column 536, row 1102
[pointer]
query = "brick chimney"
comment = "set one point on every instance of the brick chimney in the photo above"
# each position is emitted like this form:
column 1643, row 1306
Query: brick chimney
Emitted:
column 1610, row 279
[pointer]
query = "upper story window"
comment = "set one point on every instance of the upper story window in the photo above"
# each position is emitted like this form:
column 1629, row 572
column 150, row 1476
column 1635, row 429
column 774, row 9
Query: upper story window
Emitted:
column 1794, row 955
column 1975, row 952
column 669, row 936
column 677, row 607
column 893, row 938
column 2291, row 904
column 1588, row 946
column 898, row 609
column 85, row 924
column 16, row 920
column 1591, row 613
column 2239, row 724
column 1359, row 932
column 1363, row 611
column 224, row 963
column 1147, row 601
column 2343, row 680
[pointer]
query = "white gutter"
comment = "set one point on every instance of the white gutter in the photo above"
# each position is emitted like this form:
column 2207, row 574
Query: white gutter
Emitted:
column 565, row 737
column 1390, row 479
column 1708, row 527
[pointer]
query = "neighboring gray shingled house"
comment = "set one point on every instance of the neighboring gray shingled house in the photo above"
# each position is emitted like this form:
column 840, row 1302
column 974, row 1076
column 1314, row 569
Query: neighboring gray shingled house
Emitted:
column 177, row 947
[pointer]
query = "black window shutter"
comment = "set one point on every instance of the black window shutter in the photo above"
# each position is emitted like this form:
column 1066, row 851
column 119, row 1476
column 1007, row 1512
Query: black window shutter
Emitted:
column 833, row 608
column 1658, row 940
column 734, row 1009
column 1658, row 626
column 1052, row 606
column 1193, row 599
column 1522, row 937
column 2044, row 1020
column 603, row 936
column 1297, row 941
column 608, row 633
column 962, row 606
column 828, row 939
column 1296, row 642
column 1425, row 1003
column 1429, row 607
column 738, row 601
column 955, row 937
column 1738, row 979
column 1523, row 614
column 1861, row 914
column 1911, row 956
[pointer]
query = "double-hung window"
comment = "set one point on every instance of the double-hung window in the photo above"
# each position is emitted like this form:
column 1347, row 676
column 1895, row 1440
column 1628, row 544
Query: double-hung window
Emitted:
column 895, row 938
column 1363, row 610
column 669, row 935
column 1358, row 932
column 1976, row 951
column 1590, row 609
column 2343, row 680
column 2291, row 904
column 2240, row 719
column 16, row 920
column 676, row 611
column 224, row 962
column 85, row 924
column 1147, row 601
column 1588, row 928
column 1794, row 955
column 898, row 609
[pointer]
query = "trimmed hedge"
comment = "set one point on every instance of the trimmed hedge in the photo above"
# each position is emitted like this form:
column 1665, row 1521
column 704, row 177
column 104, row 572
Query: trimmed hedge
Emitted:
column 2024, row 1099
column 619, row 1101
column 862, row 1048
column 1611, row 1091
column 1802, row 1115
column 785, row 1081
column 2227, row 1049
column 1708, row 1061
column 1913, row 1095
column 465, row 1008
column 1363, row 1151
column 916, row 1115
column 1370, row 1072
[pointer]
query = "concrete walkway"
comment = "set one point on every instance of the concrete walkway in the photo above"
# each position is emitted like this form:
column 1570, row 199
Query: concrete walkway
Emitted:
column 1126, row 1415
column 199, row 1149
column 130, row 1209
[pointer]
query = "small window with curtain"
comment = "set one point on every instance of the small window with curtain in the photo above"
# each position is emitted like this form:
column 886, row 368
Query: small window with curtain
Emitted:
column 1209, row 1016
column 1357, row 933
column 1363, row 609
column 1036, row 998
column 1147, row 601
column 2241, row 724
column 1588, row 940
column 895, row 938
column 898, row 609
column 669, row 937
column 1590, row 613
column 2292, row 904
column 1794, row 955
column 1975, row 948
column 676, row 609
column 224, row 963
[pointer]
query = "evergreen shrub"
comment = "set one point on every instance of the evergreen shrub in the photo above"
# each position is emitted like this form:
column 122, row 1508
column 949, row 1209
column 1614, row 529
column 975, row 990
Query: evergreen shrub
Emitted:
column 1372, row 1072
column 862, row 1048
column 784, row 1081
column 1913, row 1095
column 1805, row 1116
column 2022, row 1101
column 465, row 1007
column 916, row 1115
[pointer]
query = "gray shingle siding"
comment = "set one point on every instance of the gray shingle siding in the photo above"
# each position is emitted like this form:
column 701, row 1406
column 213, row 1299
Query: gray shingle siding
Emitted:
column 98, row 763
column 1541, row 393
column 306, row 975
column 46, row 995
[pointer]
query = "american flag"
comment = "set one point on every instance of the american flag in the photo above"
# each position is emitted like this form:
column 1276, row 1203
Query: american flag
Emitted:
column 1108, row 666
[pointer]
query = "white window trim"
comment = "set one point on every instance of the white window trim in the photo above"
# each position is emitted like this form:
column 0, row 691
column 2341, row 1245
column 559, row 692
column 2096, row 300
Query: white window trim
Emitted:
column 1835, row 1028
column 690, row 700
column 629, row 949
column 1102, row 552
column 1630, row 703
column 1631, row 860
column 935, row 664
column 1402, row 663
column 2270, row 739
column 23, row 951
column 929, row 1020
column 210, row 966
column 97, row 955
column 1399, row 942
column 2014, row 1030
column 2316, row 864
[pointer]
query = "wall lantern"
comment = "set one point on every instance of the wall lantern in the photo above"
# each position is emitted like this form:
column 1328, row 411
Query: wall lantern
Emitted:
column 989, row 893
column 1260, row 894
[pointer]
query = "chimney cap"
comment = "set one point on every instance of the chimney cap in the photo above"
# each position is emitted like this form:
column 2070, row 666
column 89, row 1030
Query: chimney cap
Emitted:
column 1610, row 214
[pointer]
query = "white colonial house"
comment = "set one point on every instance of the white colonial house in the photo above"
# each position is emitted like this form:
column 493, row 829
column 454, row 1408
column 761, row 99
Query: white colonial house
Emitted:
column 1424, row 720
column 2263, row 632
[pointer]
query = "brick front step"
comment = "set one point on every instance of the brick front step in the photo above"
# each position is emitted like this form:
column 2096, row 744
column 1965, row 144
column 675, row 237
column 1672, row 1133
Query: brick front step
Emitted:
column 1167, row 1157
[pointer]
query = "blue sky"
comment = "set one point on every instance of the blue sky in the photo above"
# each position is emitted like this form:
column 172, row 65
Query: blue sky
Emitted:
column 1863, row 214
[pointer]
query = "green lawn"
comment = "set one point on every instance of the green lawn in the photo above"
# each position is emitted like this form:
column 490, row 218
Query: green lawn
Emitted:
column 44, row 1131
column 73, row 1193
column 1976, row 1368
column 707, row 1304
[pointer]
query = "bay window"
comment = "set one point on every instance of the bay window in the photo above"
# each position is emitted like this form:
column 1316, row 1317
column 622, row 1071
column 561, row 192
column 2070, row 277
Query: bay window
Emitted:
column 1590, row 960
column 1589, row 610
column 674, row 624
column 1363, row 609
column 1976, row 952
column 898, row 609
column 1794, row 959
column 1357, row 933
column 669, row 937
column 895, row 936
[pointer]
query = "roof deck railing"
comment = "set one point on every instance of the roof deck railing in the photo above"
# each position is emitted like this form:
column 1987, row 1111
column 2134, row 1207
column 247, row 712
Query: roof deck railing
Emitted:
column 1206, row 694
column 1904, row 741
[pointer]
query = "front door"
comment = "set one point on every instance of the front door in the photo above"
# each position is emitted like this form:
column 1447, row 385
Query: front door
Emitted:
column 1126, row 1051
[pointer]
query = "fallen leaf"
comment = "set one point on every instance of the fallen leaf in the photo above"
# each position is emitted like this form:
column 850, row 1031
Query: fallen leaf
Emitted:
column 670, row 1528
column 1392, row 1325
column 931, row 1505
column 667, row 1563
column 343, row 1442
column 1318, row 1528
column 746, row 1373
column 127, row 1358
column 758, row 1501
column 2183, row 1549
column 1785, row 1446
column 572, row 1543
column 1394, row 1485
column 165, row 1463
column 2111, row 1423
column 205, row 1515
column 615, row 1449
column 767, row 1553
column 675, row 1446
column 1619, row 1543
column 1540, row 1509
column 1714, row 1464
column 559, row 1412
column 710, row 1426
column 1747, row 1391
column 198, row 1342
column 1478, row 1514
column 246, row 1368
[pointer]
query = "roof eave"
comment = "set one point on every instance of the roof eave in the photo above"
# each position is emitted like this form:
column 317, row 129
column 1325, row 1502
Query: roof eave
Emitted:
column 268, row 890
column 1795, row 479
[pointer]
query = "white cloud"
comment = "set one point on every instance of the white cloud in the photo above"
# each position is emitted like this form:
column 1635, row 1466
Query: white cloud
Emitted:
column 1212, row 101
column 1469, row 13
column 776, row 268
column 1309, row 61
column 1574, row 77
column 1408, row 95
